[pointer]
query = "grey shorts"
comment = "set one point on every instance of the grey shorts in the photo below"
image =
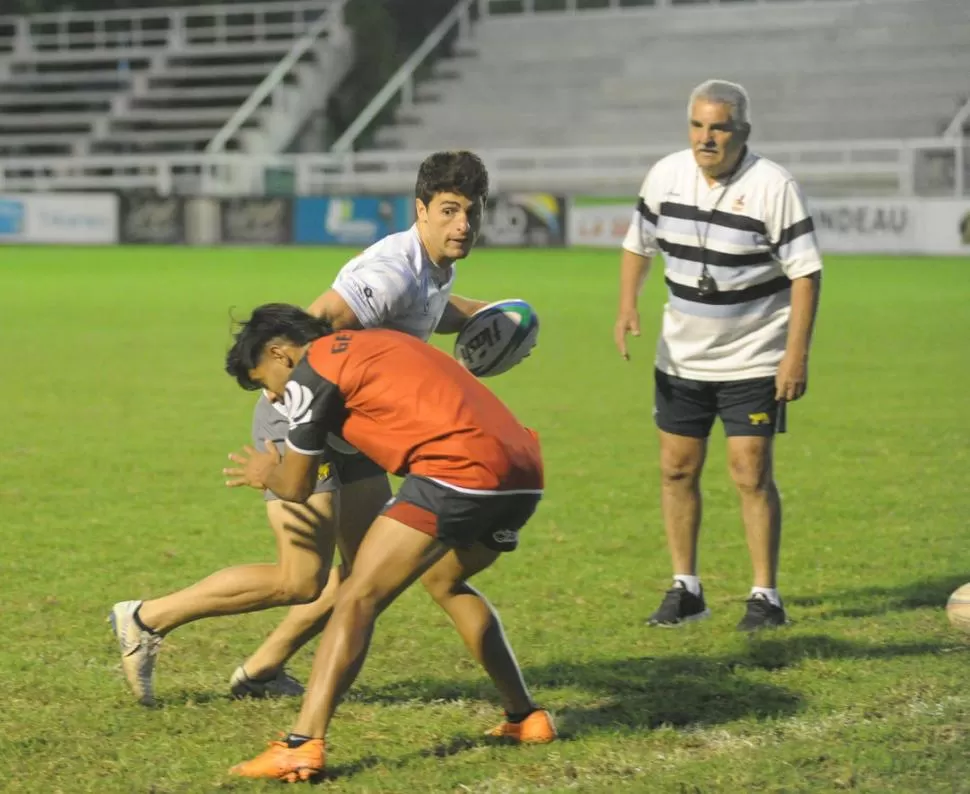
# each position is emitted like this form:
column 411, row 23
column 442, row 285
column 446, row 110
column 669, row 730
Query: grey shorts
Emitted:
column 336, row 468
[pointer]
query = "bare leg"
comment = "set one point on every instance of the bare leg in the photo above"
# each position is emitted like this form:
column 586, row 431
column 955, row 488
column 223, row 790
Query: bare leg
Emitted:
column 391, row 557
column 359, row 504
column 750, row 462
column 681, row 462
column 477, row 621
column 305, row 548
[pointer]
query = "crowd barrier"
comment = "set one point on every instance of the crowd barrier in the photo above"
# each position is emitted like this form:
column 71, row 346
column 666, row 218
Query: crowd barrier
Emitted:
column 851, row 225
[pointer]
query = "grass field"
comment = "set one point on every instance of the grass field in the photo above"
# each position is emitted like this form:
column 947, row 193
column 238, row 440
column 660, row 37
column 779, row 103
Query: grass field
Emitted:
column 117, row 421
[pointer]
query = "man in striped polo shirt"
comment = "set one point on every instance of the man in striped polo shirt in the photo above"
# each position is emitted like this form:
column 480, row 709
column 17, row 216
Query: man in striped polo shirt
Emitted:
column 743, row 273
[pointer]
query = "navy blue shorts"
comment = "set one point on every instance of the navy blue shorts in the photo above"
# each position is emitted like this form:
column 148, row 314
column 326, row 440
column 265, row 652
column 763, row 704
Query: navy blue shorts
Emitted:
column 745, row 407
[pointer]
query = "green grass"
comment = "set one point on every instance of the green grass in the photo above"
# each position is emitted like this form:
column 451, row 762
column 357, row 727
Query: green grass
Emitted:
column 117, row 420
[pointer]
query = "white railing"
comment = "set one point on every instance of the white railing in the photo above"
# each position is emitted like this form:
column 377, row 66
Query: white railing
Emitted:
column 955, row 128
column 331, row 22
column 91, row 32
column 503, row 7
column 402, row 80
column 933, row 166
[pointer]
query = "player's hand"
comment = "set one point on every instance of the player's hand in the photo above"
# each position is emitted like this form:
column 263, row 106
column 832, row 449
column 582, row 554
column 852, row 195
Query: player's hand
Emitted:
column 628, row 322
column 254, row 466
column 791, row 380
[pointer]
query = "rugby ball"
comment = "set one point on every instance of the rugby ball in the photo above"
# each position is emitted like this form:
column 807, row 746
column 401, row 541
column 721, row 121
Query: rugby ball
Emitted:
column 958, row 608
column 497, row 337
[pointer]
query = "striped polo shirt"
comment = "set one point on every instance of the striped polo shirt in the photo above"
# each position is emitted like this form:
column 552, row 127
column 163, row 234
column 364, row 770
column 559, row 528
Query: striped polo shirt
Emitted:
column 755, row 234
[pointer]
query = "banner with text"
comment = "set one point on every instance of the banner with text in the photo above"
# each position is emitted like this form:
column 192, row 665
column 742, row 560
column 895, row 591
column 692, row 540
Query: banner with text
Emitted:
column 257, row 221
column 851, row 225
column 349, row 220
column 62, row 218
column 946, row 227
column 600, row 223
column 524, row 220
column 152, row 220
column 868, row 225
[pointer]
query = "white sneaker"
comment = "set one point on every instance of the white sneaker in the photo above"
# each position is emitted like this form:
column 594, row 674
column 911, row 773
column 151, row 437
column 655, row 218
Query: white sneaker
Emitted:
column 280, row 685
column 138, row 650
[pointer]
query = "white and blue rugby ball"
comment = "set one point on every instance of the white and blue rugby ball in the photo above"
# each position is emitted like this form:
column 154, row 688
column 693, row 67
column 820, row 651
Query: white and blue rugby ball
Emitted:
column 497, row 337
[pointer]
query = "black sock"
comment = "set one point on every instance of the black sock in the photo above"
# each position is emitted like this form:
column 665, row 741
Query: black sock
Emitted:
column 141, row 625
column 517, row 718
column 294, row 740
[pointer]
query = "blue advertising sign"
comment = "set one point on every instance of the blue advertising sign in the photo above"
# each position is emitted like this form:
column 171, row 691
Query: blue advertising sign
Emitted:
column 11, row 217
column 349, row 220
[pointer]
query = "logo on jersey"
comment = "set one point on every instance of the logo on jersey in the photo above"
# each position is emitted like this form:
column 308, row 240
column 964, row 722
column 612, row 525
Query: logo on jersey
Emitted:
column 297, row 400
column 506, row 537
column 364, row 293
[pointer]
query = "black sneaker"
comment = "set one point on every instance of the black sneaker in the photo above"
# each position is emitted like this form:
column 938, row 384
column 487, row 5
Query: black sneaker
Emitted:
column 679, row 606
column 762, row 614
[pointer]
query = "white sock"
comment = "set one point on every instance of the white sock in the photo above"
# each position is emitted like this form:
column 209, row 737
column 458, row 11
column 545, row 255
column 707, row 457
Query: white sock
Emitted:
column 770, row 593
column 691, row 583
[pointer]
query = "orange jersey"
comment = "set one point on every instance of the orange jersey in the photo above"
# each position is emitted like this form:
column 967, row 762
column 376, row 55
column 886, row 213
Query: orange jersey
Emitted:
column 410, row 408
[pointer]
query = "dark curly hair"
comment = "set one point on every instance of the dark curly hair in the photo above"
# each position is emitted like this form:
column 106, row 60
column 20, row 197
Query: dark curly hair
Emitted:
column 460, row 172
column 268, row 322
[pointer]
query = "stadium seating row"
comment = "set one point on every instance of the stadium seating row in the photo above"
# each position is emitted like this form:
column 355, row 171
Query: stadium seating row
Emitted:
column 815, row 71
column 157, row 82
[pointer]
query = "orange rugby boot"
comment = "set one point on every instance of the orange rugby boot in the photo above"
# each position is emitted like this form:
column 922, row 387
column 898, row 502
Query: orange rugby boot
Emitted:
column 537, row 728
column 282, row 762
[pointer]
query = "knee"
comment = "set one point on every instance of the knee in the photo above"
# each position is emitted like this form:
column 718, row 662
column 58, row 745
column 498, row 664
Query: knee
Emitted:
column 750, row 476
column 443, row 588
column 301, row 588
column 679, row 471
column 358, row 598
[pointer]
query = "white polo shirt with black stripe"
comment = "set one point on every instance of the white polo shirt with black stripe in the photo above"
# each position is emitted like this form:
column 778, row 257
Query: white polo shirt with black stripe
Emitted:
column 759, row 238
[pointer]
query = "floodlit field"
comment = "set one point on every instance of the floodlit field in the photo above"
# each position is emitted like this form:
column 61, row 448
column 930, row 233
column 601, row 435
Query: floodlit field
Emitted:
column 117, row 420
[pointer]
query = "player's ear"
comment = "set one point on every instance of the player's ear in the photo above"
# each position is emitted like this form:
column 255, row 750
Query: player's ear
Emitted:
column 280, row 354
column 420, row 210
column 292, row 356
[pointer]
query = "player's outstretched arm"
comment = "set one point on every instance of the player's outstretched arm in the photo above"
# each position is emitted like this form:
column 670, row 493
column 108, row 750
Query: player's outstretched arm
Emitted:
column 456, row 314
column 332, row 307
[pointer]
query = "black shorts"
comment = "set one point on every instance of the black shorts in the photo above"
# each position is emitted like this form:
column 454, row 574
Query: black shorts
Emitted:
column 689, row 407
column 351, row 468
column 460, row 519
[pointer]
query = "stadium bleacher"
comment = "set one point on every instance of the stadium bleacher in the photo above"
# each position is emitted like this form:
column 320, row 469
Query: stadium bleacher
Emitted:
column 815, row 72
column 159, row 81
column 852, row 96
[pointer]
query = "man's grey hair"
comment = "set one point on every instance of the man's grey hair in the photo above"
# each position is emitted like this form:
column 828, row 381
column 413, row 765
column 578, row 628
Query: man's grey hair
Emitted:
column 723, row 92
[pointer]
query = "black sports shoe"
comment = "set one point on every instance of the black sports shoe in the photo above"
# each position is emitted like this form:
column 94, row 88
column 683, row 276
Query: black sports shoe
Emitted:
column 762, row 614
column 679, row 606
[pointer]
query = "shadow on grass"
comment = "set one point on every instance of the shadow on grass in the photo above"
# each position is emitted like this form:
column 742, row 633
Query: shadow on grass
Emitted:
column 191, row 697
column 869, row 601
column 634, row 694
column 459, row 744
column 648, row 692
